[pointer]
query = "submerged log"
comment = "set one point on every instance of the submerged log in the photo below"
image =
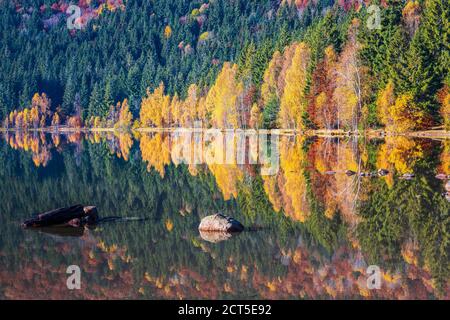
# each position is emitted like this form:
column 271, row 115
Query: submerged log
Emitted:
column 74, row 216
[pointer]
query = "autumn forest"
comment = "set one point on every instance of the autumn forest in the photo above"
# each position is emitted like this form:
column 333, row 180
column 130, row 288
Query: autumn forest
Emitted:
column 330, row 120
column 305, row 67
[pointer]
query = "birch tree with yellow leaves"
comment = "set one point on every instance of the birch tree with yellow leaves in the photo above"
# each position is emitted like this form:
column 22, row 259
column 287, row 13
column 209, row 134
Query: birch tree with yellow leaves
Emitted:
column 293, row 101
column 154, row 108
column 224, row 97
column 350, row 76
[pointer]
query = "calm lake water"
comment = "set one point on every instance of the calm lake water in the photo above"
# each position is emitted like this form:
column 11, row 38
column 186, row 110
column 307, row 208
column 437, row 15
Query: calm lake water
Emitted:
column 315, row 228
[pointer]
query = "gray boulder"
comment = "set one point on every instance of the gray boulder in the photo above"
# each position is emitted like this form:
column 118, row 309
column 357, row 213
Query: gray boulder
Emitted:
column 221, row 223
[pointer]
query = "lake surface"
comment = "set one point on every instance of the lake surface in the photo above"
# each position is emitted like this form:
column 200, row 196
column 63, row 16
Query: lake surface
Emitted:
column 315, row 229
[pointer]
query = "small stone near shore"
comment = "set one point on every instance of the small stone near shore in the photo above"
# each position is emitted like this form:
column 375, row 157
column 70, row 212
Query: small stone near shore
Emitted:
column 220, row 223
column 408, row 176
column 441, row 176
column 350, row 173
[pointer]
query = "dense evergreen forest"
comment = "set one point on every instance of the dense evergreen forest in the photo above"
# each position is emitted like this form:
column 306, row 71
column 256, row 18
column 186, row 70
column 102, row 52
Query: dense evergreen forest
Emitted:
column 125, row 51
column 259, row 64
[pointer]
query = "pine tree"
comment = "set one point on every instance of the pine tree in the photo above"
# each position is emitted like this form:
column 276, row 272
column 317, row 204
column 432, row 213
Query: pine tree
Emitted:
column 95, row 102
column 108, row 99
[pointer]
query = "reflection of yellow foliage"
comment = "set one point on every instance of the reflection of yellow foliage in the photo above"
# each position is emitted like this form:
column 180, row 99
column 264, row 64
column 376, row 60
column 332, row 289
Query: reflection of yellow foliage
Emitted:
column 110, row 264
column 125, row 144
column 320, row 164
column 270, row 187
column 227, row 178
column 409, row 253
column 272, row 286
column 292, row 162
column 400, row 152
column 37, row 145
column 169, row 225
column 227, row 288
column 226, row 171
column 155, row 151
column 391, row 278
column 167, row 32
column 445, row 158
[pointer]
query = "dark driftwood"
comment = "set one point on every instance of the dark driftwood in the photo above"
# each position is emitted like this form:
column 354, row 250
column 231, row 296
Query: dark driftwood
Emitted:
column 75, row 216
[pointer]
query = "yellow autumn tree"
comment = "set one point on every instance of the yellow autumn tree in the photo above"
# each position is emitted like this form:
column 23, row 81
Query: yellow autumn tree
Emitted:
column 444, row 99
column 176, row 108
column 154, row 108
column 125, row 116
column 167, row 32
column 406, row 115
column 56, row 120
column 269, row 86
column 190, row 106
column 350, row 76
column 293, row 101
column 224, row 97
column 385, row 99
column 255, row 116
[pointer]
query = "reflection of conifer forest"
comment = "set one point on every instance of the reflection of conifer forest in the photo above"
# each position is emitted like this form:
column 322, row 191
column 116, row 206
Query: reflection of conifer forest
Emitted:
column 316, row 232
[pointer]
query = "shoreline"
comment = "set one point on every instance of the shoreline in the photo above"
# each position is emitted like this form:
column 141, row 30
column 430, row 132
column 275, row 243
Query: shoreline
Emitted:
column 372, row 133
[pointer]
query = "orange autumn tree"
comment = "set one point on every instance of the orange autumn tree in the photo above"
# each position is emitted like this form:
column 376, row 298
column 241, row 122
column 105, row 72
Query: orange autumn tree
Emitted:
column 322, row 109
column 33, row 116
column 293, row 100
column 154, row 108
column 411, row 16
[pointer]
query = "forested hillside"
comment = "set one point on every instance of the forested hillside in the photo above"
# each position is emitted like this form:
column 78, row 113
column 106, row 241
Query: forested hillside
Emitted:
column 229, row 63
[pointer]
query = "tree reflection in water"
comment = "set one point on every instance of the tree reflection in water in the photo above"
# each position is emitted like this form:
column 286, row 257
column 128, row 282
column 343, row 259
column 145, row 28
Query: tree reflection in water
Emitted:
column 320, row 228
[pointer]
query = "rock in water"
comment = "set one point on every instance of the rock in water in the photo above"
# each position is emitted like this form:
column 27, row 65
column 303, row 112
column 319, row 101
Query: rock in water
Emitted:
column 350, row 173
column 216, row 236
column 220, row 222
column 441, row 176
